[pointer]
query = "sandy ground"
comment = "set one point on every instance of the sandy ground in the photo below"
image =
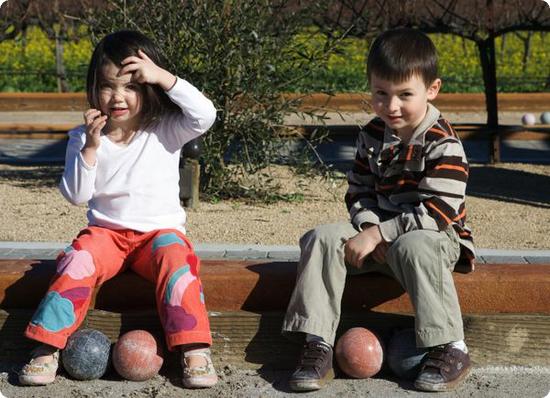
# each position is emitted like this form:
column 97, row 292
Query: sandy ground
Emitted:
column 508, row 208
column 483, row 382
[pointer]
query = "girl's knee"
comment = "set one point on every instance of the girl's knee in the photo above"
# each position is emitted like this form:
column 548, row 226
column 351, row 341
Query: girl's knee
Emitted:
column 77, row 264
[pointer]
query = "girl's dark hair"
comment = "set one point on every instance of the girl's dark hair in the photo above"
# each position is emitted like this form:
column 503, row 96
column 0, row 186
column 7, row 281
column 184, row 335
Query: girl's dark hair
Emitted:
column 398, row 54
column 114, row 48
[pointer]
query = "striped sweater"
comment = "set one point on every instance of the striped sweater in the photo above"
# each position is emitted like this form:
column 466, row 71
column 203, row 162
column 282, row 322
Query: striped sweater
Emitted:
column 404, row 187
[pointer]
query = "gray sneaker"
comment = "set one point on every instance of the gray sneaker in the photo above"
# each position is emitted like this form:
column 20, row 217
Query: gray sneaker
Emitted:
column 315, row 367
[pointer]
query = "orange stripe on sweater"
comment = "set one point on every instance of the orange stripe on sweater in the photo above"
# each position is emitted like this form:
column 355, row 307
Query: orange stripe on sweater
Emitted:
column 447, row 219
column 440, row 132
column 409, row 153
column 399, row 182
column 451, row 167
column 460, row 216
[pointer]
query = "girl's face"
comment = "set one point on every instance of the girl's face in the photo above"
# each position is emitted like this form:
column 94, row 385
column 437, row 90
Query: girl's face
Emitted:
column 120, row 98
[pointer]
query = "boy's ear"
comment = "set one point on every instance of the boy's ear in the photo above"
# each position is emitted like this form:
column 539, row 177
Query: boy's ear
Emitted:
column 433, row 89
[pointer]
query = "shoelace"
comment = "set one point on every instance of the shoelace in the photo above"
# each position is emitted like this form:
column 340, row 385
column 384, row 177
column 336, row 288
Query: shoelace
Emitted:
column 314, row 355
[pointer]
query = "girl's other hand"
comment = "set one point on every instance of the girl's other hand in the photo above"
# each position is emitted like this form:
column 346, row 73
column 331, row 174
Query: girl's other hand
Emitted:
column 94, row 123
column 144, row 70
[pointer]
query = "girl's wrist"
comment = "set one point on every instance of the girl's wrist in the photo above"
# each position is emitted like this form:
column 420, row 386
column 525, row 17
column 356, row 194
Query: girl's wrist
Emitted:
column 89, row 148
column 167, row 80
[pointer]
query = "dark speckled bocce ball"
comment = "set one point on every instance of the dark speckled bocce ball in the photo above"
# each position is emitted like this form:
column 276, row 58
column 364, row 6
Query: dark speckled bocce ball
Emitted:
column 86, row 355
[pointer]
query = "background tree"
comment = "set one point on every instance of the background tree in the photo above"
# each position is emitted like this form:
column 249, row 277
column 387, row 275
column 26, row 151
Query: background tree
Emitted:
column 241, row 54
column 478, row 20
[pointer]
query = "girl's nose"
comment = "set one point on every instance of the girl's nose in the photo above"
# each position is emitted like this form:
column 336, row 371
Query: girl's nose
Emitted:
column 117, row 95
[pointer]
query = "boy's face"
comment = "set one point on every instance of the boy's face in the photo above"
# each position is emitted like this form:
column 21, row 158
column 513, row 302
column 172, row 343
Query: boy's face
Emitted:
column 402, row 106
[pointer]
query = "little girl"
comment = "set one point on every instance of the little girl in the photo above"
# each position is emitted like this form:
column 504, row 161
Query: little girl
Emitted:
column 124, row 162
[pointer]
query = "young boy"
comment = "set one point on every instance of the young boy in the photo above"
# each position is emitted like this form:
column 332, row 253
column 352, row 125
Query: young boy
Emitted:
column 406, row 202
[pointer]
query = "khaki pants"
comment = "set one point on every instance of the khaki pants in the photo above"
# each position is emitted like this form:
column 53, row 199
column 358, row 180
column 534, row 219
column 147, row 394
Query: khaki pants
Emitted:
column 422, row 261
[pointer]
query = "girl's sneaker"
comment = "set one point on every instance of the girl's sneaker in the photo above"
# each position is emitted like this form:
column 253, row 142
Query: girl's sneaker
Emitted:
column 42, row 367
column 198, row 376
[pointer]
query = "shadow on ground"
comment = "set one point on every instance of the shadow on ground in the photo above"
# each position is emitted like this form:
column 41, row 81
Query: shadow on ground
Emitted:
column 33, row 177
column 516, row 186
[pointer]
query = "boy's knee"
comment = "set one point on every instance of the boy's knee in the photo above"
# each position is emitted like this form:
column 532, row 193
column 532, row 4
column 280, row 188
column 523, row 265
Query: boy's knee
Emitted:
column 326, row 234
column 415, row 247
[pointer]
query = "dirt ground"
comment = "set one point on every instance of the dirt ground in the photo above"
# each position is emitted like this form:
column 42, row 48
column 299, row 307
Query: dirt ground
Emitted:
column 482, row 383
column 508, row 208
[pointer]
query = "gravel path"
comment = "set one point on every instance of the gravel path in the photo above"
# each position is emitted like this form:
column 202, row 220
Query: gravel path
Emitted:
column 508, row 208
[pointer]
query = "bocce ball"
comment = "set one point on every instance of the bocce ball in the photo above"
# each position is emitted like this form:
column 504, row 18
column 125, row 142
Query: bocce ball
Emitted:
column 545, row 117
column 528, row 119
column 86, row 354
column 404, row 358
column 137, row 356
column 359, row 353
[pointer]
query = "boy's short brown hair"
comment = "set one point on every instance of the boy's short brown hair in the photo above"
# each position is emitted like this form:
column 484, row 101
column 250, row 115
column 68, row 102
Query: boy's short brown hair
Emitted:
column 398, row 54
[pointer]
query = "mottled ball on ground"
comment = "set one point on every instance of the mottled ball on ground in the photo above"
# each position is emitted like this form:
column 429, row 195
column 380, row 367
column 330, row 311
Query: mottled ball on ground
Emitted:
column 86, row 355
column 359, row 353
column 137, row 356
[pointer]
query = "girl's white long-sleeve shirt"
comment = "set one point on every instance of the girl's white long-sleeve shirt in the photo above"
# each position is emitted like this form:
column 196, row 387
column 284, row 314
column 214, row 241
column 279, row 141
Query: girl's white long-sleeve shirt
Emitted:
column 137, row 186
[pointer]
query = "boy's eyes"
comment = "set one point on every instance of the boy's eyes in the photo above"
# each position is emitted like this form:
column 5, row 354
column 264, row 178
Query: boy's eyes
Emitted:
column 383, row 93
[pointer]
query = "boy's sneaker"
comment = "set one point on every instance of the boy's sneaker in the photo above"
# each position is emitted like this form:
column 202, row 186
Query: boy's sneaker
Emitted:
column 444, row 368
column 315, row 368
column 42, row 368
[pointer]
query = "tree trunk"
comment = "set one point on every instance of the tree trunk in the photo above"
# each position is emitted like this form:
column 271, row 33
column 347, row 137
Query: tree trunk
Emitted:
column 488, row 65
column 62, row 85
column 526, row 51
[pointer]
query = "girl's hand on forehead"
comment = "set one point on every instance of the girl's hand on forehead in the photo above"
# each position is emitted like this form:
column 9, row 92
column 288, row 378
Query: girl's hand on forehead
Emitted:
column 145, row 71
column 142, row 68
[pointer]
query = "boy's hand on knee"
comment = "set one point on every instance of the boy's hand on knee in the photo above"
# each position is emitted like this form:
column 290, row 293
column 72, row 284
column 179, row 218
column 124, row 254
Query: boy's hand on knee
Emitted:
column 361, row 245
column 379, row 253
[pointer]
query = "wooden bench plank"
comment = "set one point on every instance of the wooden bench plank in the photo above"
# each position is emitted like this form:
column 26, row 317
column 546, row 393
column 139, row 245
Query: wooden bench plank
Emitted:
column 528, row 102
column 232, row 285
column 252, row 340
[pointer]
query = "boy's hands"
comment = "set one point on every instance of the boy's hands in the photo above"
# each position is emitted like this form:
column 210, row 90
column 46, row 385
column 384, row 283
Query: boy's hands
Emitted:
column 364, row 243
column 379, row 253
column 144, row 70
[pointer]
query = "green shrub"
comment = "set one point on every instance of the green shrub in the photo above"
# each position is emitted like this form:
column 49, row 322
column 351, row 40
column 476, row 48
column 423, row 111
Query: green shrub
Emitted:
column 242, row 54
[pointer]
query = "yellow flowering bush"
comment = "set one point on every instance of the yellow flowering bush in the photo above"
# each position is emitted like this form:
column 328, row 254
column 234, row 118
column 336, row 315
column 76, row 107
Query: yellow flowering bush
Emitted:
column 28, row 64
